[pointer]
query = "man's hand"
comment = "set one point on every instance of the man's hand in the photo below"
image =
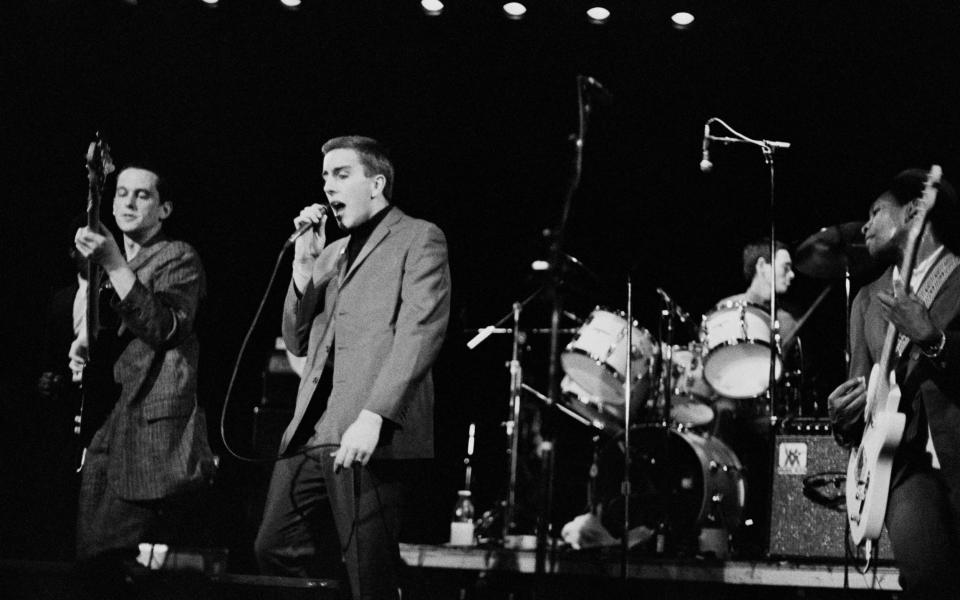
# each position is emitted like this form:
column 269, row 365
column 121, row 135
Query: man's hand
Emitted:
column 100, row 247
column 908, row 315
column 846, row 403
column 359, row 441
column 79, row 353
column 308, row 246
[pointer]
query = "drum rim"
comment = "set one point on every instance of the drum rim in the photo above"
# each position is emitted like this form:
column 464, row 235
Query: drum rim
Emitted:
column 728, row 304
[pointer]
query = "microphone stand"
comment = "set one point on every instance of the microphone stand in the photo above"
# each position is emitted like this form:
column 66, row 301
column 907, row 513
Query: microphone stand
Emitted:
column 768, row 147
column 555, row 259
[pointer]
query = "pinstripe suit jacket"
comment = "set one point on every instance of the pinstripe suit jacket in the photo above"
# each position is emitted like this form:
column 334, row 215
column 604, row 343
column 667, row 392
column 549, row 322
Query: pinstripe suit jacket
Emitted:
column 156, row 433
column 387, row 316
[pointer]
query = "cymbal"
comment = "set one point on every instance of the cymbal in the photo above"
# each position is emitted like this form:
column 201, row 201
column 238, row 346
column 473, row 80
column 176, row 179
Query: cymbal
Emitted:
column 830, row 252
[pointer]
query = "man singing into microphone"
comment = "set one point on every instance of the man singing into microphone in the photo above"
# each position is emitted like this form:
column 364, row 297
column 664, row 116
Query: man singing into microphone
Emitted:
column 370, row 312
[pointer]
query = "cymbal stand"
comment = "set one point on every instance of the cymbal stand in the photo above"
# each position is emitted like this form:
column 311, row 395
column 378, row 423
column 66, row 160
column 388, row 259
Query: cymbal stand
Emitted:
column 512, row 424
column 627, row 458
column 768, row 147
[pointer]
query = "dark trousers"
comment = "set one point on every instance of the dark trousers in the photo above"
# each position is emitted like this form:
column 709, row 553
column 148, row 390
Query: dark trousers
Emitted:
column 314, row 518
column 107, row 523
column 925, row 535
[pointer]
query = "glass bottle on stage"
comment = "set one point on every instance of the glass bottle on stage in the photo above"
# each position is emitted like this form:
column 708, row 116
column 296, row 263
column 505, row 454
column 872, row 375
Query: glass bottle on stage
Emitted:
column 461, row 525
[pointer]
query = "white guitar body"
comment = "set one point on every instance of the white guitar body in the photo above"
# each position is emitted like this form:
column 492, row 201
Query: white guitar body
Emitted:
column 868, row 473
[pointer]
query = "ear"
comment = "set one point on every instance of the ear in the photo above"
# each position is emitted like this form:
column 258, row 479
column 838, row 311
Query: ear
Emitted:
column 166, row 208
column 379, row 183
column 911, row 209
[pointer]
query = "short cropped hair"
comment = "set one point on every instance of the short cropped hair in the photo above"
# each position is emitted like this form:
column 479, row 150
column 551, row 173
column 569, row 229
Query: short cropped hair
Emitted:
column 944, row 218
column 754, row 251
column 372, row 154
column 152, row 165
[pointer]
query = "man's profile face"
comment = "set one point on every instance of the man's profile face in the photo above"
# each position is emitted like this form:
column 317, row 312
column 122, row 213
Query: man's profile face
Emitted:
column 350, row 191
column 137, row 206
column 783, row 267
column 885, row 226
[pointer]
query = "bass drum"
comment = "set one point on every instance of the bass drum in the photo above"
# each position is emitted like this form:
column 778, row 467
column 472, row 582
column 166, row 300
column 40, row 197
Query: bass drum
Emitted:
column 677, row 476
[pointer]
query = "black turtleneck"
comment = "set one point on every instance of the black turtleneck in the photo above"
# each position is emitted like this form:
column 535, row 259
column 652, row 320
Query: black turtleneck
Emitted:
column 361, row 233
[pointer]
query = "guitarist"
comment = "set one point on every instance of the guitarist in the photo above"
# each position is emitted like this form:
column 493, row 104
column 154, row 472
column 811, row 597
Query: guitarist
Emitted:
column 145, row 462
column 923, row 510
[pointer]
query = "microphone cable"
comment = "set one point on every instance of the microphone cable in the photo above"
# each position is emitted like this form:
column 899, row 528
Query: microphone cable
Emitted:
column 236, row 368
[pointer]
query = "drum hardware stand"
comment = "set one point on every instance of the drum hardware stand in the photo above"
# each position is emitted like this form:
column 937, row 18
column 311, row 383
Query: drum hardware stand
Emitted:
column 512, row 425
column 627, row 459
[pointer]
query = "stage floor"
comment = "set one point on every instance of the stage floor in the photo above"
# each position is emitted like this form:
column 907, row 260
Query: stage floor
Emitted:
column 604, row 566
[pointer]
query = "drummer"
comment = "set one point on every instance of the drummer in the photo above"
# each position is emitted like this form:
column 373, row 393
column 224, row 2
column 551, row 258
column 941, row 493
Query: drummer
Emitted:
column 757, row 271
column 743, row 424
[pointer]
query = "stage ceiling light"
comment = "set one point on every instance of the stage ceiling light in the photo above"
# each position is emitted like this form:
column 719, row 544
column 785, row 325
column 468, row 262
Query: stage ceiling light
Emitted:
column 598, row 14
column 682, row 19
column 514, row 10
column 210, row 2
column 432, row 7
column 290, row 3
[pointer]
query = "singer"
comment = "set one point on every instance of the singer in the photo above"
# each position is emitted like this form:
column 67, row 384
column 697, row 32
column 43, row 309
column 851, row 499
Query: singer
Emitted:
column 146, row 463
column 369, row 312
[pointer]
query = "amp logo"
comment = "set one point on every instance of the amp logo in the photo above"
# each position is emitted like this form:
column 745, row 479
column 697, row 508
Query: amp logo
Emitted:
column 792, row 458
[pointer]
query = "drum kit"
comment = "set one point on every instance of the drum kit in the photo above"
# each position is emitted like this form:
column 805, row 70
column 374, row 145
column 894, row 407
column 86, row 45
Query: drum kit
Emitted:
column 676, row 389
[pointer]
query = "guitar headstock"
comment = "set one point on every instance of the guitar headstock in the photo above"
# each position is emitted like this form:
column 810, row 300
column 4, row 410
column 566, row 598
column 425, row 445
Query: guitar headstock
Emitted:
column 99, row 162
column 929, row 195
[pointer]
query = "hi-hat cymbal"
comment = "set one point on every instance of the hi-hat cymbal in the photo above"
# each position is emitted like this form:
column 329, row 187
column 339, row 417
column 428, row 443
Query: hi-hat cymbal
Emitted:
column 830, row 252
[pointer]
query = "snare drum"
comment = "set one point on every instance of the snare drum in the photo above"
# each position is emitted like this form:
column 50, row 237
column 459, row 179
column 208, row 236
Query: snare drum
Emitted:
column 596, row 358
column 736, row 342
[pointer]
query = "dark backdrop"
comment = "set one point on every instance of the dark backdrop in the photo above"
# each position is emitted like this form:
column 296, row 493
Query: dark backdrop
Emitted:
column 479, row 111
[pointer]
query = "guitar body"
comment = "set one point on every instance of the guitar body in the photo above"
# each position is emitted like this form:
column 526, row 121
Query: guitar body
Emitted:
column 871, row 464
column 99, row 391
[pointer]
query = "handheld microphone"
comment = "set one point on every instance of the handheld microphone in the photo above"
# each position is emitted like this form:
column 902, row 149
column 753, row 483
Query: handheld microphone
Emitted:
column 705, row 165
column 305, row 227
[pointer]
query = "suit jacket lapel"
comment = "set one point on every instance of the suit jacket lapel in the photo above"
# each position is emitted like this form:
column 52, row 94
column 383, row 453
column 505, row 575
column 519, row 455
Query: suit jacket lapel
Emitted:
column 378, row 235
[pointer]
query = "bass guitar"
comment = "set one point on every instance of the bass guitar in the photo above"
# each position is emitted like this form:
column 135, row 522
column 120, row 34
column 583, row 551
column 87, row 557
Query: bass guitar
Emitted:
column 97, row 387
column 870, row 466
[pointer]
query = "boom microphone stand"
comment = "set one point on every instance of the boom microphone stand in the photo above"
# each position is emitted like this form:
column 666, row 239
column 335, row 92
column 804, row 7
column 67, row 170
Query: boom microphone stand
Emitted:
column 768, row 147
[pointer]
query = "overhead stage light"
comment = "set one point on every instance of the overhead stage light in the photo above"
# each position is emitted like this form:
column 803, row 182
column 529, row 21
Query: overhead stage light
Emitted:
column 514, row 10
column 210, row 2
column 598, row 15
column 432, row 7
column 682, row 20
column 290, row 3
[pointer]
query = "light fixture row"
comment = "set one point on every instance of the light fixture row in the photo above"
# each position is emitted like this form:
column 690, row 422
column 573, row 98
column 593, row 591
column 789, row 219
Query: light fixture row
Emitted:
column 515, row 10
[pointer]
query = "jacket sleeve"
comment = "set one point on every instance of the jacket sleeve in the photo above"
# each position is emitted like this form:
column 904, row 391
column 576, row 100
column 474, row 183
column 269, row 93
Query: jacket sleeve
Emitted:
column 420, row 325
column 163, row 315
column 300, row 307
column 847, row 431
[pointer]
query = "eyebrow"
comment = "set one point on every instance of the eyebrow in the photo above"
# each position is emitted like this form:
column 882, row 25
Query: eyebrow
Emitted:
column 336, row 170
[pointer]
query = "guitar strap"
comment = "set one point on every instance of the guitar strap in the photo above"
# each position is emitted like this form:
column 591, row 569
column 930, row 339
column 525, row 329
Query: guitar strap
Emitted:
column 930, row 287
